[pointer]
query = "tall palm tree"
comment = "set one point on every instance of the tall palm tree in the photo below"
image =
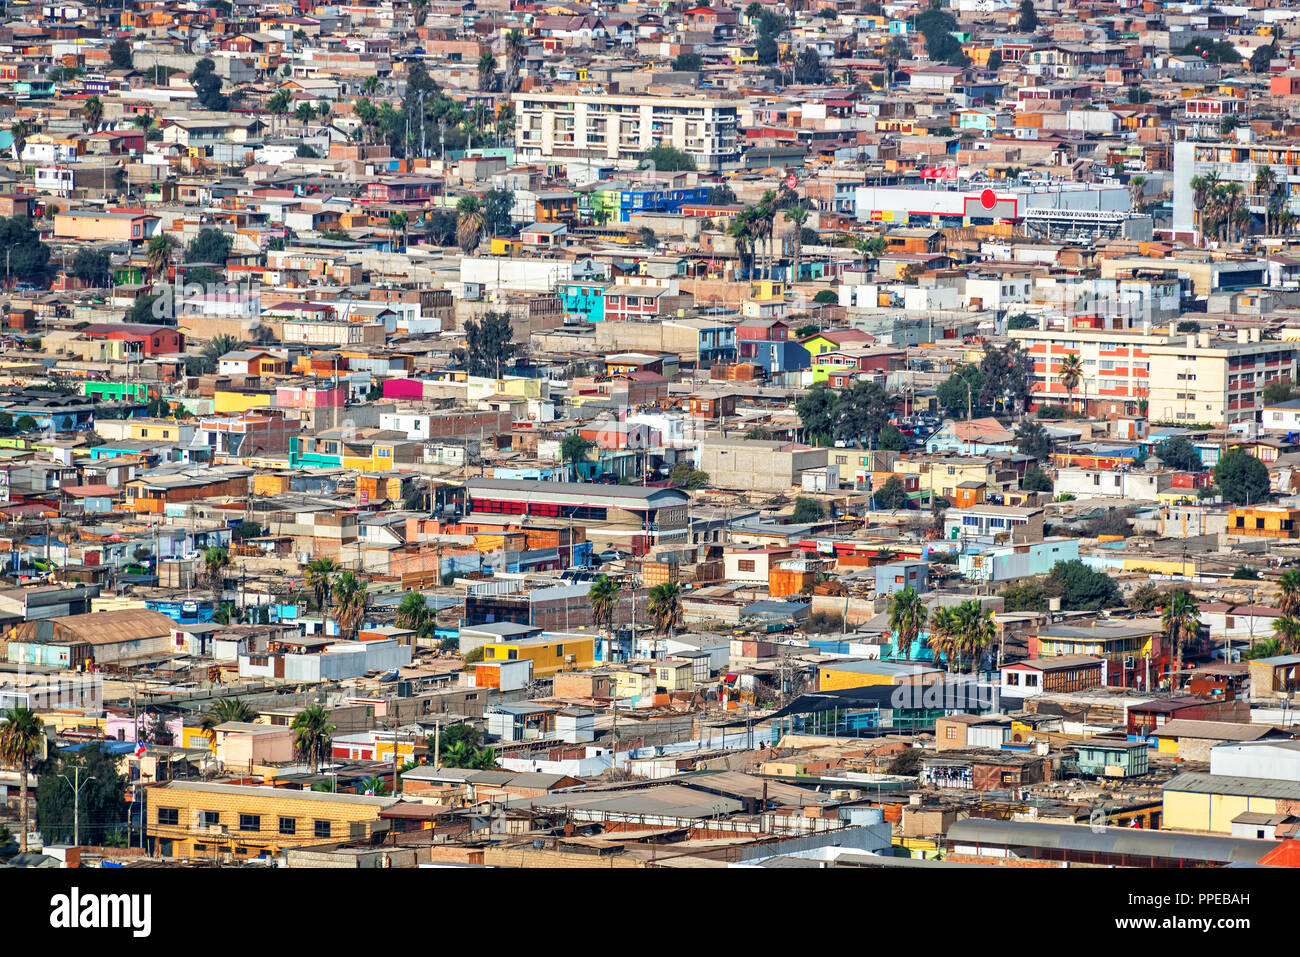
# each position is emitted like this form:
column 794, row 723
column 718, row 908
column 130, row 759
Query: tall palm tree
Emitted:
column 1289, row 600
column 143, row 122
column 604, row 597
column 159, row 253
column 665, row 608
column 93, row 111
column 1071, row 374
column 20, row 743
column 223, row 710
column 20, row 131
column 279, row 104
column 413, row 613
column 487, row 71
column 304, row 113
column 944, row 628
column 1265, row 185
column 319, row 577
column 797, row 215
column 398, row 222
column 370, row 85
column 516, row 47
column 350, row 601
column 1286, row 631
column 907, row 617
column 977, row 630
column 469, row 222
column 215, row 562
column 741, row 229
column 1181, row 620
column 312, row 735
column 765, row 223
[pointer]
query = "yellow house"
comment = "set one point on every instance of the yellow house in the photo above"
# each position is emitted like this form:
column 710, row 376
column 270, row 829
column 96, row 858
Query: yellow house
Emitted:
column 202, row 819
column 381, row 456
column 634, row 682
column 740, row 55
column 501, row 246
column 767, row 290
column 240, row 400
column 154, row 430
column 548, row 655
column 1196, row 801
column 674, row 676
column 872, row 671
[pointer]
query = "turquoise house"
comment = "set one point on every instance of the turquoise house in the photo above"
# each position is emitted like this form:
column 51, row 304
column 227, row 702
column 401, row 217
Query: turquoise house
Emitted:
column 583, row 300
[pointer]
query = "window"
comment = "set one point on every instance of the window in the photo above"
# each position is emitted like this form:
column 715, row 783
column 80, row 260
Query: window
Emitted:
column 169, row 816
column 950, row 733
column 1013, row 678
column 209, row 818
column 746, row 564
column 1031, row 681
column 250, row 822
column 322, row 828
column 288, row 825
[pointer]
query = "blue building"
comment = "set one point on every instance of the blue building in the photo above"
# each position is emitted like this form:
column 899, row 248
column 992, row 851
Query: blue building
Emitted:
column 658, row 200
column 583, row 300
column 896, row 576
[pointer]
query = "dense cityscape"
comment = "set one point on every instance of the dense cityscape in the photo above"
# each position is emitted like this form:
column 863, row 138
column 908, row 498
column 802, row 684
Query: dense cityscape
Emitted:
column 833, row 434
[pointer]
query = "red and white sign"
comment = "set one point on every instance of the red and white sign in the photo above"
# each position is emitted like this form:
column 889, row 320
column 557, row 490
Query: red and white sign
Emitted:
column 792, row 181
column 939, row 172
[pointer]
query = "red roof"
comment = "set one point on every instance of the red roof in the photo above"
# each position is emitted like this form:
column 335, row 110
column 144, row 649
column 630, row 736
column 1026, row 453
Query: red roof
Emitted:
column 1286, row 854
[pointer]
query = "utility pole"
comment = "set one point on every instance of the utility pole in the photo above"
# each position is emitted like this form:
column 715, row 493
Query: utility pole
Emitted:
column 76, row 802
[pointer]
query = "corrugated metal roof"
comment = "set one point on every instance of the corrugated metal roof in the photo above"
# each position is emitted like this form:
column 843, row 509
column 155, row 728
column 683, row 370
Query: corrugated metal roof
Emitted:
column 1200, row 782
column 1110, row 840
column 290, row 794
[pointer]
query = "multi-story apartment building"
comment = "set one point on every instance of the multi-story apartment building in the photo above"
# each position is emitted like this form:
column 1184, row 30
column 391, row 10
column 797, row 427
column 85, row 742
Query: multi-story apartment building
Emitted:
column 1233, row 161
column 1191, row 379
column 601, row 126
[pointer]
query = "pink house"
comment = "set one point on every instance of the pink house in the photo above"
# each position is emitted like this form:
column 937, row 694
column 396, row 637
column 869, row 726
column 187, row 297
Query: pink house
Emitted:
column 240, row 744
column 310, row 397
column 403, row 389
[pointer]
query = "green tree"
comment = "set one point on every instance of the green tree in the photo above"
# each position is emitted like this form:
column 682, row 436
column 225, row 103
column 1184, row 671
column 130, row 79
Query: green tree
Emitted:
column 808, row 68
column 1025, row 596
column 668, row 158
column 1032, row 439
column 92, row 267
column 688, row 62
column 1080, row 588
column 319, row 578
column 907, row 617
column 665, row 608
column 1246, row 573
column 246, row 530
column 1283, row 390
column 1178, row 453
column 806, row 511
column 891, row 495
column 25, row 423
column 1028, row 20
column 21, row 738
column 861, row 412
column 159, row 253
column 1181, row 622
column 827, row 297
column 96, row 813
column 1036, row 480
column 350, row 600
column 1022, row 320
column 489, row 343
column 219, row 345
column 1071, row 374
column 25, row 256
column 469, row 223
column 93, row 111
column 119, row 54
column 1289, row 599
column 497, row 207
column 1008, row 374
column 223, row 710
column 686, row 476
column 721, row 195
column 207, row 85
column 816, row 411
column 1241, row 478
column 574, row 449
column 603, row 596
column 413, row 612
column 892, row 439
column 312, row 735
column 960, row 392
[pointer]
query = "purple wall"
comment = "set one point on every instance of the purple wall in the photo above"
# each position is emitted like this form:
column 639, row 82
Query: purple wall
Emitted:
column 403, row 389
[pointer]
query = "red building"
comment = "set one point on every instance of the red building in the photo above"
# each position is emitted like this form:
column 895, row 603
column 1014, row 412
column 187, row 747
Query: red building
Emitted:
column 152, row 340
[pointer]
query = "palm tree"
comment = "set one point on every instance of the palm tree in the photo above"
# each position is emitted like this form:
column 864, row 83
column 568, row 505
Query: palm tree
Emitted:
column 665, row 608
column 741, row 229
column 279, row 104
column 312, row 735
column 319, row 575
column 797, row 215
column 20, row 742
column 305, row 113
column 1289, row 600
column 1182, row 621
column 1287, row 632
column 516, row 47
column 413, row 613
column 459, row 755
column 603, row 597
column 1270, row 647
column 1071, row 374
column 977, row 630
column 1265, row 185
column 869, row 247
column 20, row 131
column 215, row 562
column 487, row 71
column 370, row 85
column 143, row 122
column 765, row 223
column 159, row 253
column 907, row 617
column 420, row 8
column 93, row 111
column 942, row 641
column 469, row 222
column 398, row 222
column 1135, row 185
column 223, row 710
column 350, row 601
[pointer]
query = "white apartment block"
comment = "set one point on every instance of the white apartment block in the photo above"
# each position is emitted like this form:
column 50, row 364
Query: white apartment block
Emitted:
column 620, row 129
